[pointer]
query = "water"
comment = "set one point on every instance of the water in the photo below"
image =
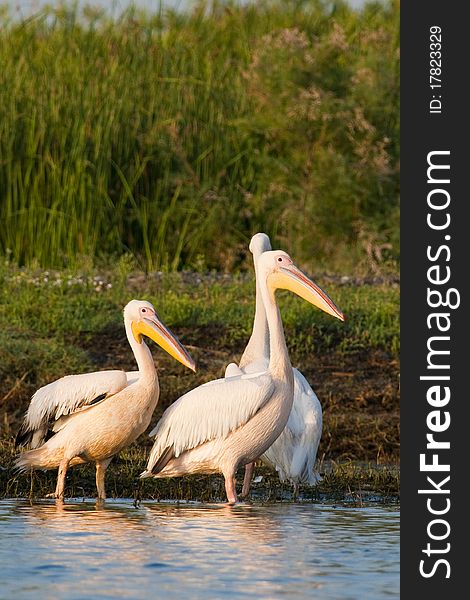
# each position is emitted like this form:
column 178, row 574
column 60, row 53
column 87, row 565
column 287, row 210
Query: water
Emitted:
column 81, row 550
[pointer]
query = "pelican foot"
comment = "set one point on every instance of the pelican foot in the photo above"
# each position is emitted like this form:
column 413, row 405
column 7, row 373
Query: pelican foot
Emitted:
column 245, row 498
column 239, row 503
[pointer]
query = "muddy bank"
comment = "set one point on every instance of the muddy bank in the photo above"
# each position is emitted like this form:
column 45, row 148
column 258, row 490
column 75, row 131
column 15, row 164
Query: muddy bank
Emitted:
column 350, row 482
column 359, row 392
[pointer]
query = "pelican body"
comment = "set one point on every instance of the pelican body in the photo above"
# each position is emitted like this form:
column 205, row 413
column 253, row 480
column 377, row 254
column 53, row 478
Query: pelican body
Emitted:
column 229, row 422
column 294, row 452
column 91, row 417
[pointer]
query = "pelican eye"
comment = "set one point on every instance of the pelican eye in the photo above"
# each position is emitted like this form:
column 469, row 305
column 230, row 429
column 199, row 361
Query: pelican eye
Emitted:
column 279, row 258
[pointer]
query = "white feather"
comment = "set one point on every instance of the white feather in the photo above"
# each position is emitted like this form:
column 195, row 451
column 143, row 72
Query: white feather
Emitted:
column 294, row 452
column 256, row 366
column 66, row 396
column 210, row 411
column 232, row 370
column 132, row 377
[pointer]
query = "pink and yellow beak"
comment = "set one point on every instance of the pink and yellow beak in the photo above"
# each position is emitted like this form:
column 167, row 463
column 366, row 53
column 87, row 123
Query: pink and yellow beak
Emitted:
column 154, row 329
column 291, row 278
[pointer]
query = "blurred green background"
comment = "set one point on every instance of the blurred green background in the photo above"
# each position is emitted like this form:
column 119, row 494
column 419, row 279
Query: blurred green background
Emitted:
column 174, row 136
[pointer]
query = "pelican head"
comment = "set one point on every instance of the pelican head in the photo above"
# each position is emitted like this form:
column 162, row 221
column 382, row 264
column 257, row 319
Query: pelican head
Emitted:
column 144, row 321
column 282, row 274
column 259, row 243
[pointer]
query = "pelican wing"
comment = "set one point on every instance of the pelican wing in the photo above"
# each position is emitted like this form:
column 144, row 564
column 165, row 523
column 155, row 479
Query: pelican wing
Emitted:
column 306, row 411
column 64, row 397
column 256, row 366
column 294, row 452
column 132, row 377
column 210, row 411
column 232, row 370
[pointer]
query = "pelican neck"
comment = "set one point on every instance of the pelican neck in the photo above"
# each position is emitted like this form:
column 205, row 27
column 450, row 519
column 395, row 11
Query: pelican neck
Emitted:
column 142, row 354
column 258, row 344
column 279, row 362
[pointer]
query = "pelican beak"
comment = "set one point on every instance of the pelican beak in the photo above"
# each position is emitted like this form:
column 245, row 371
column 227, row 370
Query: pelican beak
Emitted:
column 291, row 278
column 161, row 335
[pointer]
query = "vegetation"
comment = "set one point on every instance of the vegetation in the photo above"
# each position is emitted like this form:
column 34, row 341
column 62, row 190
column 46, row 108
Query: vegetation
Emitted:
column 57, row 323
column 139, row 153
column 175, row 136
column 345, row 481
column 51, row 323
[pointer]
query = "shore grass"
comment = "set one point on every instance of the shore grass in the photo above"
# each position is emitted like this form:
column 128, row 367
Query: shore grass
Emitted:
column 152, row 133
column 349, row 481
column 140, row 152
column 57, row 323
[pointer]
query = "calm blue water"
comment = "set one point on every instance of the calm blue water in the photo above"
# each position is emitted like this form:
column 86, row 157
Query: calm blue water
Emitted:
column 79, row 550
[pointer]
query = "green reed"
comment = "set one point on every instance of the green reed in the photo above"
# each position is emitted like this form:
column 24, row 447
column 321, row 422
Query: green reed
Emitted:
column 174, row 136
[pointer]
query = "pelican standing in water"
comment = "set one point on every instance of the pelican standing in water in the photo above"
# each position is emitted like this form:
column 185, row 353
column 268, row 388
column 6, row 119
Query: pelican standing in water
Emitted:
column 91, row 417
column 294, row 452
column 226, row 423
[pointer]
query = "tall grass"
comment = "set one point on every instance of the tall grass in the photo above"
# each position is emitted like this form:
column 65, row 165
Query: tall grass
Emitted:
column 174, row 136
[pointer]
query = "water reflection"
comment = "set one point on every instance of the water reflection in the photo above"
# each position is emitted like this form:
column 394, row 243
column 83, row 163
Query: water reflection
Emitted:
column 201, row 551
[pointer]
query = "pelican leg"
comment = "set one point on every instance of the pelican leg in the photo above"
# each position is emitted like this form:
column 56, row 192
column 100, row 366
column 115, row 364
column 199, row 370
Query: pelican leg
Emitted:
column 63, row 466
column 295, row 495
column 249, row 468
column 101, row 466
column 231, row 489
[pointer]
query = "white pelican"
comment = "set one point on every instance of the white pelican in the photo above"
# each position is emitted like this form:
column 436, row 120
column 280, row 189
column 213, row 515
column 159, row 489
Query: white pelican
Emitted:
column 93, row 416
column 230, row 422
column 294, row 452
